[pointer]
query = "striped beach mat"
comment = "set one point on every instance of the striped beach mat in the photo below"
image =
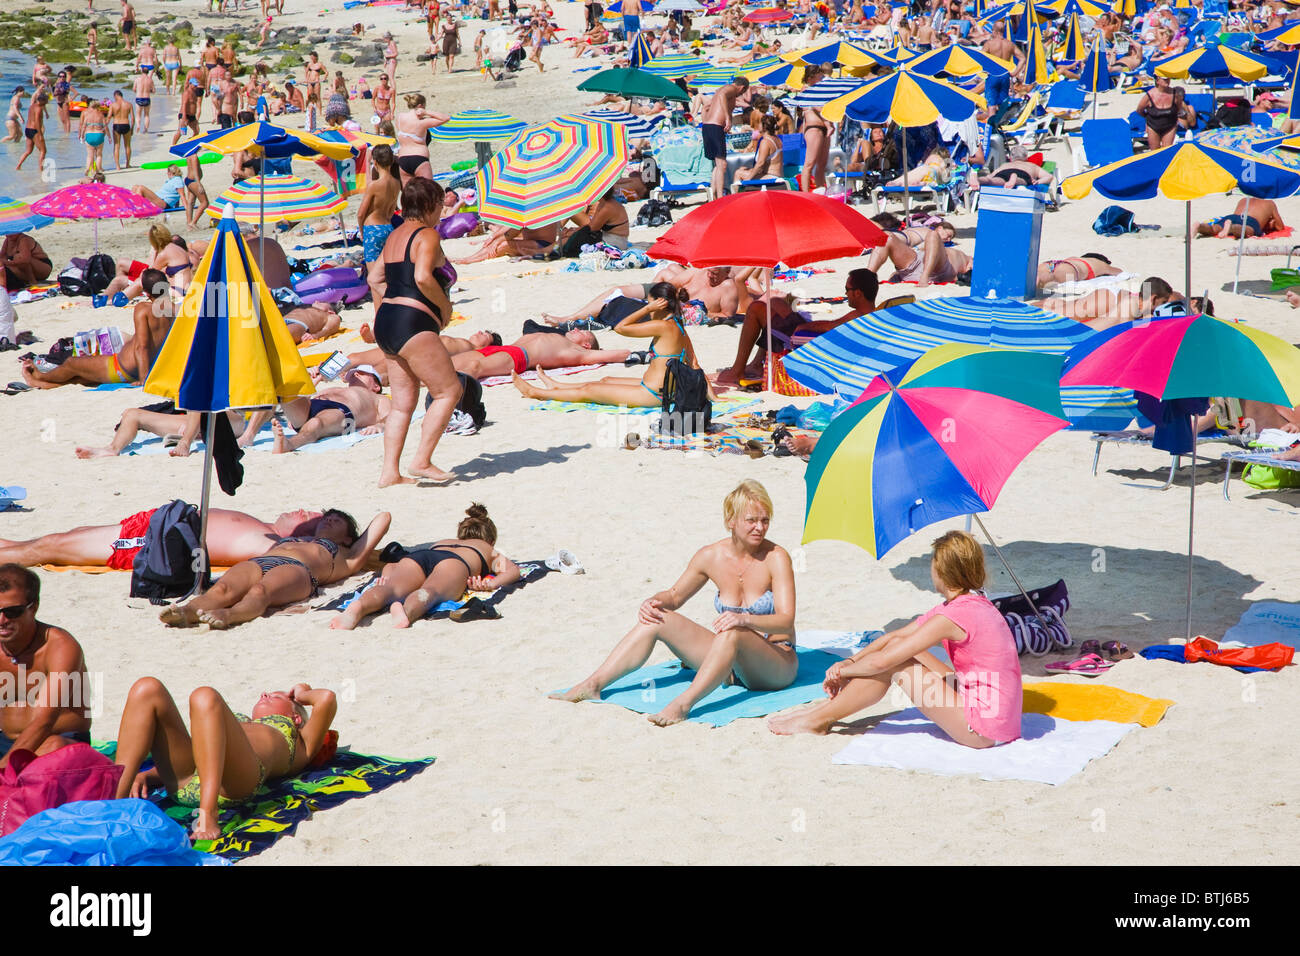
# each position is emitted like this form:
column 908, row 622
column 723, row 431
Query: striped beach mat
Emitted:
column 844, row 360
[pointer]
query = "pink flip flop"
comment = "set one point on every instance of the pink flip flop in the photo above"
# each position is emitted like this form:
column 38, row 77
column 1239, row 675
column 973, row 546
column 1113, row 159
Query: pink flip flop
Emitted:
column 1089, row 665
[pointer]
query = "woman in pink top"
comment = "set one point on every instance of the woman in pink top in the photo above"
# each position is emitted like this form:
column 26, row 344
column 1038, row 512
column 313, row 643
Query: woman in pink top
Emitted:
column 976, row 702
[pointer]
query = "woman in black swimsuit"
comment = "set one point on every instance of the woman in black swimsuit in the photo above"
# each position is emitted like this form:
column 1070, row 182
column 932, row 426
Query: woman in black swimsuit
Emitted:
column 434, row 573
column 413, row 311
column 290, row 571
column 1163, row 108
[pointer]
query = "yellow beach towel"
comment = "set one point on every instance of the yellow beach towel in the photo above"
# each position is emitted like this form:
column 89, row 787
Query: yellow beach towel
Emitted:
column 1093, row 702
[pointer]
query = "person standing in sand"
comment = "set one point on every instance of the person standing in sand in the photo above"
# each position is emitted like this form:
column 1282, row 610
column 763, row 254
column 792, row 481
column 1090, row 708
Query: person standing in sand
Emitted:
column 146, row 57
column 171, row 56
column 413, row 138
column 48, row 703
column 977, row 701
column 413, row 311
column 92, row 45
column 751, row 642
column 713, row 129
column 390, row 60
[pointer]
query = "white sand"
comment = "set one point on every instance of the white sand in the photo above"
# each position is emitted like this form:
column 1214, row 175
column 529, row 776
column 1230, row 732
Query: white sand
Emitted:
column 522, row 779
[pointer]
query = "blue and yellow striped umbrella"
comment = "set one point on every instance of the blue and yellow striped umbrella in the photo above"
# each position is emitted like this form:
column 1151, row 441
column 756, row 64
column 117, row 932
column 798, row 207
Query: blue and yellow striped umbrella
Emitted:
column 478, row 126
column 263, row 139
column 958, row 61
column 1214, row 61
column 777, row 74
column 1125, row 8
column 549, row 172
column 277, row 199
column 840, row 52
column 906, row 98
column 1095, row 77
column 1037, row 70
column 934, row 439
column 641, row 52
column 675, row 65
column 825, row 91
column 1076, row 8
column 229, row 346
column 1073, row 49
column 1007, row 11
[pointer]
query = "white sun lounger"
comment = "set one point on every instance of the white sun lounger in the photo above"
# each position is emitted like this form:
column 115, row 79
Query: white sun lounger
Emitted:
column 1260, row 457
column 1135, row 437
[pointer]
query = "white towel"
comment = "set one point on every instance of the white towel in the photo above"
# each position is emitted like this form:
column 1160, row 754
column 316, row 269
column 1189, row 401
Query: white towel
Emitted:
column 839, row 643
column 1083, row 286
column 1051, row 751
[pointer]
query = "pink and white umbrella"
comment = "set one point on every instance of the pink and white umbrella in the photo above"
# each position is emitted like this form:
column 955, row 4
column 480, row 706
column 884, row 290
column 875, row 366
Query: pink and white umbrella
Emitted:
column 95, row 201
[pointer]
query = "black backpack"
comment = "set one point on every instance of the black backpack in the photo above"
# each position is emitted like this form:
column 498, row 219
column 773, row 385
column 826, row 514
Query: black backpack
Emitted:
column 686, row 408
column 1234, row 111
column 471, row 398
column 165, row 566
column 100, row 271
column 72, row 281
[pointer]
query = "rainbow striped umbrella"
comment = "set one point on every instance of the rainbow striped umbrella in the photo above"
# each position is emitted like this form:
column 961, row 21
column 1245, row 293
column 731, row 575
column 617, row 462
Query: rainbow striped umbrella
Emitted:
column 958, row 61
column 477, row 126
column 278, row 199
column 17, row 216
column 933, row 439
column 674, row 65
column 349, row 175
column 228, row 346
column 549, row 172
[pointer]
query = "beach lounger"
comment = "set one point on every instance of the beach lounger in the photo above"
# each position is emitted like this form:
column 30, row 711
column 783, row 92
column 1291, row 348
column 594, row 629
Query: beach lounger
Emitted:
column 1135, row 437
column 1105, row 141
column 1252, row 457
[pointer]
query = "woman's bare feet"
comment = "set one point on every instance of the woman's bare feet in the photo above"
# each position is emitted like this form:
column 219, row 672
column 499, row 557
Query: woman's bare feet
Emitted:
column 397, row 614
column 800, row 721
column 217, row 620
column 279, row 442
column 367, row 333
column 526, row 389
column 181, row 449
column 94, row 452
column 674, row 713
column 432, row 472
column 387, row 480
column 179, row 615
column 578, row 692
column 544, row 380
column 205, row 826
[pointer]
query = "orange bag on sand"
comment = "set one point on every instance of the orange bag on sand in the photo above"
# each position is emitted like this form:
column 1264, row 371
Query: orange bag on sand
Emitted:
column 1272, row 657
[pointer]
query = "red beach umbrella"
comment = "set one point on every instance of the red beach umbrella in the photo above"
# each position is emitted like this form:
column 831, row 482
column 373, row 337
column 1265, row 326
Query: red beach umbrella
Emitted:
column 766, row 229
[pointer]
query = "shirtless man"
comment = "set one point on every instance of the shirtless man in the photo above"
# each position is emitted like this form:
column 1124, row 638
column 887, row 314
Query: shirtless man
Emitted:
column 232, row 537
column 1105, row 308
column 121, row 115
column 547, row 350
column 1256, row 216
column 1017, row 173
column 35, row 129
column 128, row 25
column 359, row 406
column 48, row 706
column 229, row 103
column 143, row 88
column 152, row 321
column 716, row 122
column 191, row 101
column 310, row 323
column 716, row 289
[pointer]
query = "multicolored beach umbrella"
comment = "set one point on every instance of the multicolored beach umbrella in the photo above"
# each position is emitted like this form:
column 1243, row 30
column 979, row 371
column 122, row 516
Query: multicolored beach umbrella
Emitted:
column 550, row 171
column 714, row 78
column 349, row 175
column 277, row 199
column 934, row 439
column 1190, row 356
column 641, row 51
column 478, row 126
column 1073, row 48
column 768, row 15
column 1214, row 61
column 17, row 216
column 674, row 65
column 958, row 61
column 263, row 139
column 777, row 74
column 1125, row 8
column 844, row 360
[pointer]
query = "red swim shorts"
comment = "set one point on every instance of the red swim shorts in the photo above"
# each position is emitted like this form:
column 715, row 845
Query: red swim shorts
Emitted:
column 517, row 355
column 130, row 540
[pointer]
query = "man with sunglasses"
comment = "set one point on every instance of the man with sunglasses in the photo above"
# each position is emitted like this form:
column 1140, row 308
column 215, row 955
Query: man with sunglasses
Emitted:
column 44, row 690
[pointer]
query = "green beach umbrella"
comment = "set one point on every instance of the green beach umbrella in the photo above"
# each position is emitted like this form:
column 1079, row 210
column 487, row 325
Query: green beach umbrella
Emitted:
column 634, row 83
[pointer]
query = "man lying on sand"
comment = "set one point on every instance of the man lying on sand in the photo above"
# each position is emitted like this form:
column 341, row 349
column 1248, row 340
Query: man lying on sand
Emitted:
column 545, row 350
column 292, row 570
column 232, row 537
column 40, row 658
column 202, row 766
column 152, row 320
column 1255, row 216
column 717, row 290
column 520, row 243
column 357, row 406
column 310, row 323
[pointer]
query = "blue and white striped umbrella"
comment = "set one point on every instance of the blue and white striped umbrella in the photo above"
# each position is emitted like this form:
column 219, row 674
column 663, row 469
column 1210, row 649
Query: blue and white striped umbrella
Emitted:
column 822, row 93
column 845, row 359
column 638, row 127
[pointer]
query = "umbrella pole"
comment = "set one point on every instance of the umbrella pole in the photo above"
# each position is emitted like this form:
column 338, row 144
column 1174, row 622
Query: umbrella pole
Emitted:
column 201, row 571
column 1241, row 246
column 902, row 130
column 1191, row 530
column 1187, row 256
column 771, row 346
column 1002, row 558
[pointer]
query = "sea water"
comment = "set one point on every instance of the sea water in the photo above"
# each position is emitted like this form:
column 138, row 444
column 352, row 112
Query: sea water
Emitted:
column 67, row 154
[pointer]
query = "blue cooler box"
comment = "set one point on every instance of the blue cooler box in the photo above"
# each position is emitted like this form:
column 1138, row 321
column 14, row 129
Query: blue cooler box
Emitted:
column 1006, row 242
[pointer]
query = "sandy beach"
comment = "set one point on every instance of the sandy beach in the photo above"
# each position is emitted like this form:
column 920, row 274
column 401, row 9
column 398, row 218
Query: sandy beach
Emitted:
column 521, row 779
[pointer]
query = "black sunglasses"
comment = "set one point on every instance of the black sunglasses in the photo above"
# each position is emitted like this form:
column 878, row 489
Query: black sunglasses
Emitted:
column 17, row 611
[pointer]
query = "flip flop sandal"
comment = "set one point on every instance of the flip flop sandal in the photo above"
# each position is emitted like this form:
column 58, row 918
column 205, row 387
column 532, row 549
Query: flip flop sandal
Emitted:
column 13, row 388
column 1116, row 651
column 754, row 448
column 1090, row 647
column 1089, row 665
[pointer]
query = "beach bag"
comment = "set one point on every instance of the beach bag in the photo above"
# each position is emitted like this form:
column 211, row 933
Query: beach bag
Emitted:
column 1037, row 633
column 1268, row 478
column 654, row 212
column 782, row 383
column 1114, row 221
column 72, row 281
column 686, row 409
column 164, row 568
column 100, row 271
column 1234, row 111
column 31, row 784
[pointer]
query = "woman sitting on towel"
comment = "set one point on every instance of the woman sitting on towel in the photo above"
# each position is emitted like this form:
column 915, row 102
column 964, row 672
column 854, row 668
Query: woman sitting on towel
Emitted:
column 290, row 571
column 751, row 642
column 442, row 571
column 660, row 320
column 976, row 701
column 224, row 756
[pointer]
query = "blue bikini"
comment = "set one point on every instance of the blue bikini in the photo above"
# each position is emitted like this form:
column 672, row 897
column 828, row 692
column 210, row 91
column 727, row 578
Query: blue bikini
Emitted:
column 676, row 355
